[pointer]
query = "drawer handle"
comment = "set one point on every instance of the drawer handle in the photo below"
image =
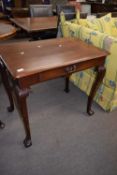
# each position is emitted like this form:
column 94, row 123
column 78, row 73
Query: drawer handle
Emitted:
column 70, row 69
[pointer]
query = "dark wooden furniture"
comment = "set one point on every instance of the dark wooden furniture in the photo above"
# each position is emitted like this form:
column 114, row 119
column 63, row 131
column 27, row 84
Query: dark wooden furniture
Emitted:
column 21, row 3
column 43, row 10
column 26, row 64
column 98, row 15
column 18, row 11
column 99, row 7
column 20, row 8
column 36, row 24
column 6, row 31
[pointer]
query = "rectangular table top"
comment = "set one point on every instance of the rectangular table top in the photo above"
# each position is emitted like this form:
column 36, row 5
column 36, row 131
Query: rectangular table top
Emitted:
column 27, row 58
column 36, row 23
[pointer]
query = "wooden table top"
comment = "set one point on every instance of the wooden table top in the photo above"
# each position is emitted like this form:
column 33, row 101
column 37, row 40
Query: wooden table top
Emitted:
column 6, row 30
column 36, row 23
column 28, row 58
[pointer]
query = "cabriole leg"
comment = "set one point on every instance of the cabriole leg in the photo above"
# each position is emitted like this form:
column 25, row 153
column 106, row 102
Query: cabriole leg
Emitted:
column 20, row 98
column 100, row 75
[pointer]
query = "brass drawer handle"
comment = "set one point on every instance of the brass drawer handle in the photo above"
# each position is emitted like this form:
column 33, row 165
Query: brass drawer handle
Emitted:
column 70, row 69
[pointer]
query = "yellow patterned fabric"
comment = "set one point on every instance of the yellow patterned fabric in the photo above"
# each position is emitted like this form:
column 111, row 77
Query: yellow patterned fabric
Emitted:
column 62, row 17
column 74, row 30
column 80, row 21
column 94, row 24
column 83, row 22
column 103, row 24
column 77, row 15
column 106, row 95
column 114, row 28
column 92, row 37
column 63, row 24
column 106, row 23
column 110, row 44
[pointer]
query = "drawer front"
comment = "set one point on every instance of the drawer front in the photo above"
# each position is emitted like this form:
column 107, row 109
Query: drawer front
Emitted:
column 68, row 70
column 59, row 72
column 47, row 75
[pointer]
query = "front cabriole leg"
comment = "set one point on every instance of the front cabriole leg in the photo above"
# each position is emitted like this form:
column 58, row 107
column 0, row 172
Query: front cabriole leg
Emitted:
column 20, row 98
column 100, row 75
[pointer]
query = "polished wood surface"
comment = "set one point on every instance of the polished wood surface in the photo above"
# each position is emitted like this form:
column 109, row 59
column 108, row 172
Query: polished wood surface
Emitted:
column 26, row 64
column 36, row 24
column 41, row 56
column 6, row 31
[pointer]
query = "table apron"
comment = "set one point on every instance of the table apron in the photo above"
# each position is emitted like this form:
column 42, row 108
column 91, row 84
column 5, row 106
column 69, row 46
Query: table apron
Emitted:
column 27, row 81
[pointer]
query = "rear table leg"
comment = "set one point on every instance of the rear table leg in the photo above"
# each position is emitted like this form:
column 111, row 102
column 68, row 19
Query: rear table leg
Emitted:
column 5, row 80
column 67, row 84
column 100, row 75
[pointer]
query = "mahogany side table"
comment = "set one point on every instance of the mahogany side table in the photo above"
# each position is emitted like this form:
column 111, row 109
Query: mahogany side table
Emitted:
column 25, row 64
